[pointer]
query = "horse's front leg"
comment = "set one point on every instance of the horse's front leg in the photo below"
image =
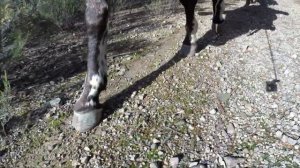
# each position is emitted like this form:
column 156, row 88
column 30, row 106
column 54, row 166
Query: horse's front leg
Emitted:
column 218, row 18
column 87, row 111
column 191, row 26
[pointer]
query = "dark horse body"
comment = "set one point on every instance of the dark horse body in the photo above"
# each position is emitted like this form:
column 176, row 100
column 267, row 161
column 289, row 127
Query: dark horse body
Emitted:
column 87, row 110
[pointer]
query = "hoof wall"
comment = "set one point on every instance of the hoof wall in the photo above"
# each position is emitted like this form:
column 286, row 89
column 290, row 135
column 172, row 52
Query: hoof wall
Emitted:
column 86, row 120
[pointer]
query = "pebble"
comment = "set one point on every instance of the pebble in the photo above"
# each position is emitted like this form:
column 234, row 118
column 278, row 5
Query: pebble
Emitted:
column 87, row 149
column 155, row 141
column 192, row 164
column 291, row 115
column 174, row 161
column 278, row 134
column 213, row 111
column 84, row 160
column 294, row 56
column 55, row 102
column 230, row 129
column 288, row 140
column 75, row 163
column 153, row 165
column 160, row 153
column 132, row 157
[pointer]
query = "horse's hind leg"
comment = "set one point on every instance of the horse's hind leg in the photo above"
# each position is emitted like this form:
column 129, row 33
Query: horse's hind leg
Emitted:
column 87, row 111
column 191, row 26
column 248, row 2
column 218, row 19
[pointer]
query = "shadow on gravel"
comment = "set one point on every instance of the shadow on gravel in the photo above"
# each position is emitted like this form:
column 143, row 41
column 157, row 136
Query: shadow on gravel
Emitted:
column 245, row 20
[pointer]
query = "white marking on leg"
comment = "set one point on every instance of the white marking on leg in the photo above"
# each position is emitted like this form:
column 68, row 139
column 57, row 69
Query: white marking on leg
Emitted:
column 222, row 16
column 194, row 31
column 222, row 8
column 95, row 83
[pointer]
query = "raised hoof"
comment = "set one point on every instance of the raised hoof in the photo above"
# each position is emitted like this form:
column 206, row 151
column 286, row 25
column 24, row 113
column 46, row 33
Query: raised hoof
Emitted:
column 86, row 120
column 188, row 50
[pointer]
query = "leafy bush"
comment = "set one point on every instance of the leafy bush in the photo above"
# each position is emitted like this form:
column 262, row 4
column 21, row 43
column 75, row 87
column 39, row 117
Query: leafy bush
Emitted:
column 22, row 19
column 5, row 98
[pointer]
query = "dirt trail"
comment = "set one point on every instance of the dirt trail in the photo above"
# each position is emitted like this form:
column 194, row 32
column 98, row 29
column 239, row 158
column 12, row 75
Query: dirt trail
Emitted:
column 217, row 108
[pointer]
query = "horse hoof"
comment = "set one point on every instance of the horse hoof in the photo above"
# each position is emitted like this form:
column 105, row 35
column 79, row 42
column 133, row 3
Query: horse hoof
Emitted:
column 188, row 50
column 86, row 120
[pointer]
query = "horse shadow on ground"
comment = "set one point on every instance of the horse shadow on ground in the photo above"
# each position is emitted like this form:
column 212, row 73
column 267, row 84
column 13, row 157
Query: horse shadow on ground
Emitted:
column 240, row 21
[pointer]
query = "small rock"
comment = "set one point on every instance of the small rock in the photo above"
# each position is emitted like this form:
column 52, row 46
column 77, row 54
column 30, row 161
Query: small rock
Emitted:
column 274, row 106
column 202, row 119
column 174, row 161
column 160, row 153
column 286, row 139
column 132, row 157
column 232, row 162
column 193, row 164
column 219, row 64
column 230, row 129
column 213, row 111
column 87, row 149
column 55, row 102
column 48, row 115
column 278, row 134
column 122, row 110
column 294, row 56
column 121, row 72
column 84, row 160
column 133, row 94
column 51, row 146
column 190, row 127
column 154, row 165
column 224, row 97
column 75, row 163
column 155, row 141
column 61, row 136
column 297, row 87
column 292, row 115
column 142, row 96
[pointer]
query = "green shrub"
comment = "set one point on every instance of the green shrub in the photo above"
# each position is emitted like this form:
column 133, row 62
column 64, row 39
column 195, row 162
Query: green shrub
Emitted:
column 22, row 19
column 5, row 100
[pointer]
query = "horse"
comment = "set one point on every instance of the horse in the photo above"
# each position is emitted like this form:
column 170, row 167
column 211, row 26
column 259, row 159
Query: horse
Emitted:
column 87, row 109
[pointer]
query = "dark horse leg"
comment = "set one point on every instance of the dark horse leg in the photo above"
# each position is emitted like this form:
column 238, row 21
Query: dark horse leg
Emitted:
column 248, row 2
column 87, row 111
column 218, row 9
column 189, row 42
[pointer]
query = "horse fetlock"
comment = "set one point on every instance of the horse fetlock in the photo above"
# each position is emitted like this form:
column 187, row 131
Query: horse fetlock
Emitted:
column 95, row 84
column 217, row 28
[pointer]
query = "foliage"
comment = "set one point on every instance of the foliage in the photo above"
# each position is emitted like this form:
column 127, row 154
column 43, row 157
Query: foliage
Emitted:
column 22, row 19
column 5, row 98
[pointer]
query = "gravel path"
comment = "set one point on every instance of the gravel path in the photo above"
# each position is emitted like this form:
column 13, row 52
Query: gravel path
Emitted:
column 235, row 104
